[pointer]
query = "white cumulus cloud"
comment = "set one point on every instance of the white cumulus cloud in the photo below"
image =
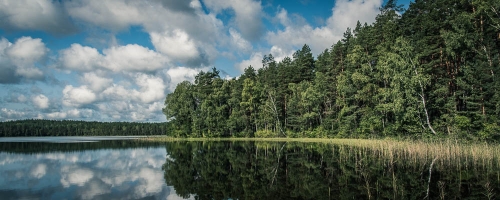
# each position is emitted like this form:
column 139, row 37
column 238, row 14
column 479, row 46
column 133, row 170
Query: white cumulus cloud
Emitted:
column 179, row 74
column 45, row 15
column 79, row 58
column 113, row 15
column 78, row 96
column 19, row 60
column 255, row 61
column 176, row 44
column 21, row 98
column 69, row 114
column 133, row 57
column 40, row 101
column 27, row 50
column 56, row 115
column 248, row 14
column 152, row 88
column 9, row 114
column 138, row 97
column 95, row 82
column 180, row 29
column 345, row 14
column 239, row 42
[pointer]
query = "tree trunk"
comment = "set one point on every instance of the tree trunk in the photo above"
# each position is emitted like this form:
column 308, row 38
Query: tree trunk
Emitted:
column 422, row 96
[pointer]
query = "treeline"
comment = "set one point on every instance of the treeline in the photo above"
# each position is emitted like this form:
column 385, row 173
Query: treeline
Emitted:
column 37, row 127
column 45, row 147
column 432, row 70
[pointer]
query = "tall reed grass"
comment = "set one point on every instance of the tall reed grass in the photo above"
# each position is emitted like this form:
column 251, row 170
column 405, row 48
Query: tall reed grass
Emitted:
column 445, row 152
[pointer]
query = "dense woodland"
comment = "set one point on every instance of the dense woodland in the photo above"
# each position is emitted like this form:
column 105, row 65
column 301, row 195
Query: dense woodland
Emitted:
column 35, row 127
column 430, row 71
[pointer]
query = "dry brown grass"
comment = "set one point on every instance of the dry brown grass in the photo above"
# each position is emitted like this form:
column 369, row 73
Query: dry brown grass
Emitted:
column 448, row 153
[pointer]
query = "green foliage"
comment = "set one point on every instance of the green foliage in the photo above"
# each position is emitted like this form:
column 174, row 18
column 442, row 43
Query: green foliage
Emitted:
column 37, row 127
column 428, row 72
column 491, row 131
column 266, row 134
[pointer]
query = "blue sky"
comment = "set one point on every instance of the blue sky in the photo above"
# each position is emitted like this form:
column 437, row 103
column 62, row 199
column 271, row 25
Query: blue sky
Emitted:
column 116, row 60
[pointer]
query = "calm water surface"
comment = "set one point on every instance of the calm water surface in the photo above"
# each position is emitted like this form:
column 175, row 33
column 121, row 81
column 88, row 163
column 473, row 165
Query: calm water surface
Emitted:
column 82, row 168
column 129, row 169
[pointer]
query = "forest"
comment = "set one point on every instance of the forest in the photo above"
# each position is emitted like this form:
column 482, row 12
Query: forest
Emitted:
column 38, row 127
column 426, row 71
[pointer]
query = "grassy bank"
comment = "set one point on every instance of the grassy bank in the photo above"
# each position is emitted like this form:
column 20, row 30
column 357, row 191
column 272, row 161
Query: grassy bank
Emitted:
column 442, row 152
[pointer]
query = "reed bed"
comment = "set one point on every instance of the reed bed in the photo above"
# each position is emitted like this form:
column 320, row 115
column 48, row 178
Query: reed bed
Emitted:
column 444, row 152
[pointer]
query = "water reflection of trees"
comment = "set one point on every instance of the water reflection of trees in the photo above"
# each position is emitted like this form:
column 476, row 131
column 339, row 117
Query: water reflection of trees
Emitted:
column 44, row 147
column 257, row 170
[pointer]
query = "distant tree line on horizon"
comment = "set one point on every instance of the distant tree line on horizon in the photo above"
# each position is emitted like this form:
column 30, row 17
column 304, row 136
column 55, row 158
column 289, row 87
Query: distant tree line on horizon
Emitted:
column 44, row 147
column 38, row 127
column 430, row 71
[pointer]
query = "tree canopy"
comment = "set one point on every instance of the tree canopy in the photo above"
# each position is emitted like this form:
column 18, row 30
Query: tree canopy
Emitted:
column 432, row 70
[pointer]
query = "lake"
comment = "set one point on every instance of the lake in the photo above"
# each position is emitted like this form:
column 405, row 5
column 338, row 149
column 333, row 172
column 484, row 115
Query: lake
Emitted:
column 114, row 168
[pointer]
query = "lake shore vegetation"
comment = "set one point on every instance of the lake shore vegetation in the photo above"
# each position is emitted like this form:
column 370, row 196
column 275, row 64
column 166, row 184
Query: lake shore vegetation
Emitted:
column 430, row 71
column 442, row 152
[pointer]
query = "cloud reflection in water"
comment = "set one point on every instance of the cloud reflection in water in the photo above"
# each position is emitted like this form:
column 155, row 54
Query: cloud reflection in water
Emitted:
column 91, row 174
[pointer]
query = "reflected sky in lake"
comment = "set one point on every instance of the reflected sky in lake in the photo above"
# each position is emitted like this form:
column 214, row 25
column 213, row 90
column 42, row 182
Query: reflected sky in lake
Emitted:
column 91, row 174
